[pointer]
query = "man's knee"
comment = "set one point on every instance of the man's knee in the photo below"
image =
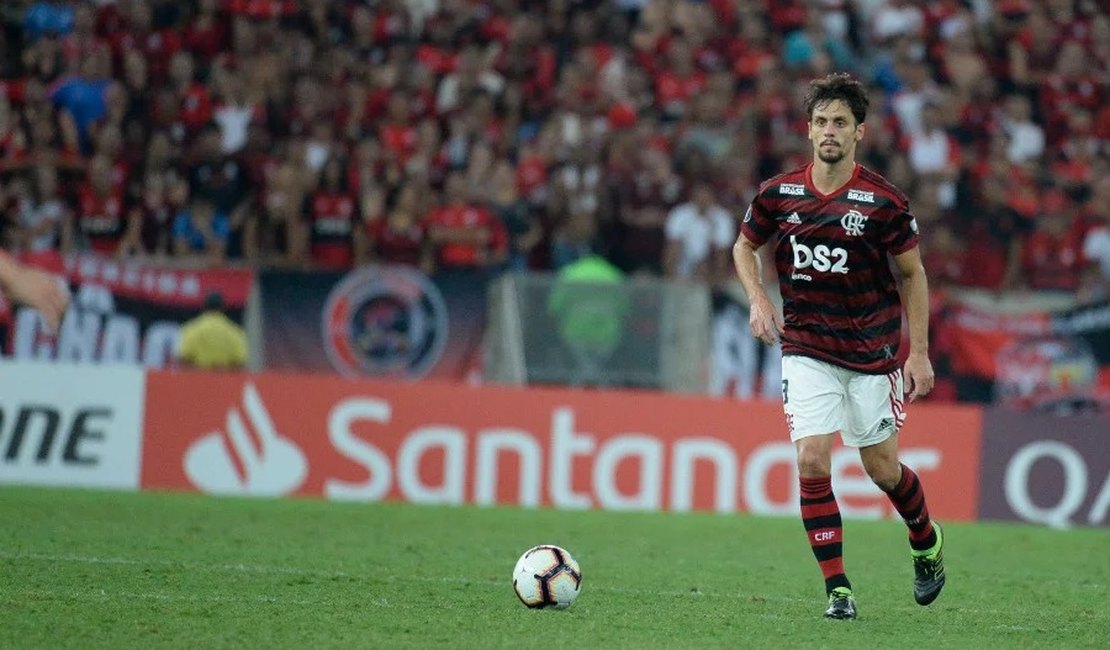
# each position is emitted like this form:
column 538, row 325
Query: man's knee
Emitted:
column 814, row 458
column 885, row 471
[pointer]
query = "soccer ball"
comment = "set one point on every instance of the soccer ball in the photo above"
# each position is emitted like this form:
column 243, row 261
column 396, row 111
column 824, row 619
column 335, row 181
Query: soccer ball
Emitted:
column 547, row 576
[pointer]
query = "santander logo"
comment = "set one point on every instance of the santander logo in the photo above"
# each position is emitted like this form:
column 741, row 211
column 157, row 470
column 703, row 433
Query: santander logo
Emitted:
column 436, row 444
column 271, row 465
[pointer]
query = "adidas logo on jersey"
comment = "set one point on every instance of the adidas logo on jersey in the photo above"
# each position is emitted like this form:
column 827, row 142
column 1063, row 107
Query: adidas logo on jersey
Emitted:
column 792, row 189
column 794, row 218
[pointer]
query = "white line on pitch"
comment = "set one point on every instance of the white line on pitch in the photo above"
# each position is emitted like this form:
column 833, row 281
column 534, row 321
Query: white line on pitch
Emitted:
column 282, row 570
column 101, row 594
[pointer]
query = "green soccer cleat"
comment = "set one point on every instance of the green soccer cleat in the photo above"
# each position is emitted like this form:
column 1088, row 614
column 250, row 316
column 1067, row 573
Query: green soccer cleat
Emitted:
column 928, row 569
column 841, row 604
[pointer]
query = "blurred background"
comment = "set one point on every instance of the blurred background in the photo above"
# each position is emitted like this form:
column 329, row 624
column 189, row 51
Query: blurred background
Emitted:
column 422, row 188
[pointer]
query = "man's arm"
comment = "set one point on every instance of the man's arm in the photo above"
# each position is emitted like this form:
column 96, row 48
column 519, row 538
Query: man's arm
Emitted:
column 919, row 376
column 36, row 289
column 764, row 319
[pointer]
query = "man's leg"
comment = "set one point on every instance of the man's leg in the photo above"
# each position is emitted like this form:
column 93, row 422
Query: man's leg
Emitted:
column 813, row 399
column 904, row 490
column 821, row 518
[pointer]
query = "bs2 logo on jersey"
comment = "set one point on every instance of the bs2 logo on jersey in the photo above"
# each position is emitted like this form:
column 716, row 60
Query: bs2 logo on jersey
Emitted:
column 385, row 322
column 820, row 257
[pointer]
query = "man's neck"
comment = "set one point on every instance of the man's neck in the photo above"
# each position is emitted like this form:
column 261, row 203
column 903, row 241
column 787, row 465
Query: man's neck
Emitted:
column 829, row 177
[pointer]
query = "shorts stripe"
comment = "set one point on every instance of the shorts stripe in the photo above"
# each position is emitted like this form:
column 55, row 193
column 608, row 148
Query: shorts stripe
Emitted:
column 897, row 406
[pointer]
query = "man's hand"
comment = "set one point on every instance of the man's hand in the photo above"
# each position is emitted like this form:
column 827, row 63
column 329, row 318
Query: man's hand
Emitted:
column 39, row 290
column 765, row 321
column 918, row 375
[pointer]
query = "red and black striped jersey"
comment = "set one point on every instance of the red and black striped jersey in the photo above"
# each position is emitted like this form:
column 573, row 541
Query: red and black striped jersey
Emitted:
column 840, row 299
column 332, row 219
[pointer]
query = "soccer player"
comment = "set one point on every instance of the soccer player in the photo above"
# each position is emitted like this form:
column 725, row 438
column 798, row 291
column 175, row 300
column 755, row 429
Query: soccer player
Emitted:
column 37, row 289
column 837, row 222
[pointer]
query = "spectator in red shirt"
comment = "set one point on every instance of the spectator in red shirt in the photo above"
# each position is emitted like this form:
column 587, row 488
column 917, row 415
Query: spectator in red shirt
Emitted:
column 1052, row 256
column 192, row 97
column 644, row 193
column 399, row 236
column 397, row 133
column 206, row 35
column 157, row 46
column 1071, row 85
column 80, row 43
column 331, row 218
column 676, row 84
column 101, row 222
column 1033, row 50
column 464, row 234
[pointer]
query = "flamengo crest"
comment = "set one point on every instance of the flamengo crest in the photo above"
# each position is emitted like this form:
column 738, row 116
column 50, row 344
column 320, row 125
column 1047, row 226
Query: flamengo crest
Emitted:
column 854, row 222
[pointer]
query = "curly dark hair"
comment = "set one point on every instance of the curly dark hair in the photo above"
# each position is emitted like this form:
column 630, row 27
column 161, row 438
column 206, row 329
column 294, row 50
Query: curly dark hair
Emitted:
column 838, row 85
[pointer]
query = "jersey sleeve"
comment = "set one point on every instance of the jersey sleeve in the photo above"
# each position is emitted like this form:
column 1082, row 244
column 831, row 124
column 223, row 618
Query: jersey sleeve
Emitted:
column 900, row 234
column 758, row 226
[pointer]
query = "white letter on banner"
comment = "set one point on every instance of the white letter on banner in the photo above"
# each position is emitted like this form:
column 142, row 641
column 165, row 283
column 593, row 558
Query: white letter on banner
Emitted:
column 760, row 463
column 1017, row 482
column 78, row 336
column 565, row 445
column 685, row 454
column 493, row 441
column 28, row 343
column 160, row 343
column 347, row 443
column 121, row 340
column 608, row 458
column 453, row 443
column 1101, row 505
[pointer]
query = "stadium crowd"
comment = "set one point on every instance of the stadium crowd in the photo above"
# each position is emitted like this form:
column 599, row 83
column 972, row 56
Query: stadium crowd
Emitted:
column 526, row 134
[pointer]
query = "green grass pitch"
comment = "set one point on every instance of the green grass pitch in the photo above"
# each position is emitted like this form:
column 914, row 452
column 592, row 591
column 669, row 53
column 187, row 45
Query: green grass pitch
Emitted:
column 114, row 570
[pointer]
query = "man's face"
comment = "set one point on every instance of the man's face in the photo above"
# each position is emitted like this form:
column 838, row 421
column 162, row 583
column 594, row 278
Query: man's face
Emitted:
column 834, row 131
column 703, row 197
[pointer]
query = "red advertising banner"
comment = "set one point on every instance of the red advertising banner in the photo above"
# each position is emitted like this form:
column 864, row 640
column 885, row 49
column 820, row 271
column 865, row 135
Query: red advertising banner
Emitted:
column 274, row 435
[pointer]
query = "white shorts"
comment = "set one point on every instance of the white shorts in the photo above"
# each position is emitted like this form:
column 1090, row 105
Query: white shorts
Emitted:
column 821, row 398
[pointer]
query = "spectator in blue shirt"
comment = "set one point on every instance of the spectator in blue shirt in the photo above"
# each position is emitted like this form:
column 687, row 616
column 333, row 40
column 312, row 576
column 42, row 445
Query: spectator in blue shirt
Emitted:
column 199, row 230
column 84, row 95
column 48, row 18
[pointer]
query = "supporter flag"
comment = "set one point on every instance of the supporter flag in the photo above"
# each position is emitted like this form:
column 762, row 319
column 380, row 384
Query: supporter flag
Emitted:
column 122, row 311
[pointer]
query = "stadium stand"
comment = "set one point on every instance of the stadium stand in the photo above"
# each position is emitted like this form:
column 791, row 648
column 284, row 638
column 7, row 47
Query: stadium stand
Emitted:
column 527, row 135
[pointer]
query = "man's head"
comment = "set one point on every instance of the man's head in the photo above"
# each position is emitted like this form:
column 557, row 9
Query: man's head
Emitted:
column 702, row 195
column 836, row 107
column 214, row 301
column 456, row 191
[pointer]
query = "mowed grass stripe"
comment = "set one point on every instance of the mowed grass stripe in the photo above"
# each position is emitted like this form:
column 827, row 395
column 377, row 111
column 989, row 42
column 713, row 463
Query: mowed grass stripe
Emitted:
column 90, row 569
